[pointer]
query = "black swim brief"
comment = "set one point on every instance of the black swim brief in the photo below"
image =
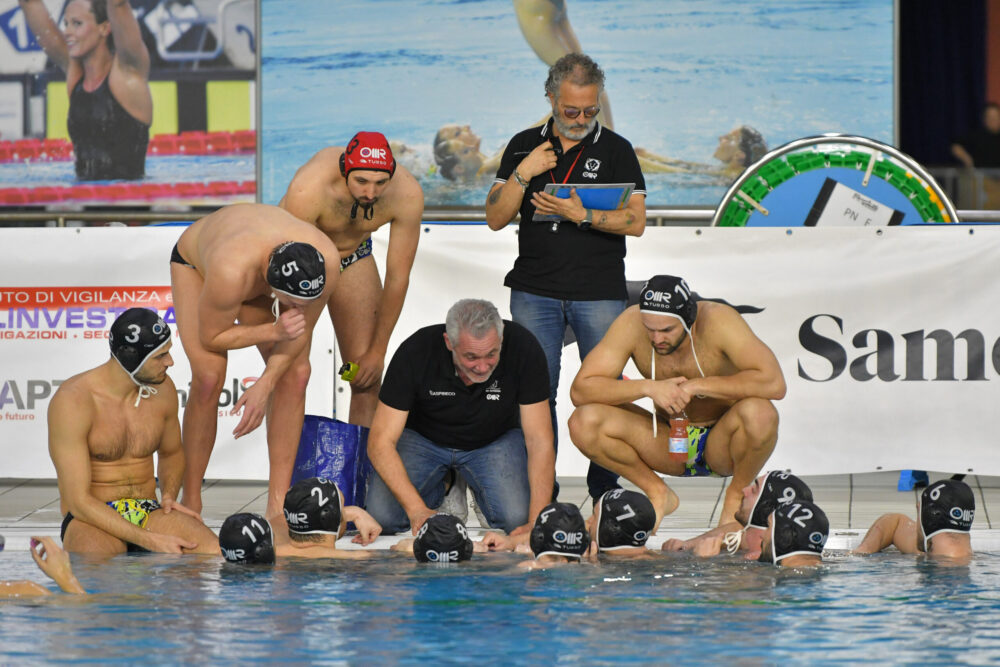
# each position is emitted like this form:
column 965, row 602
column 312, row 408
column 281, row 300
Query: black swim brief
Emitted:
column 177, row 258
column 135, row 511
column 362, row 251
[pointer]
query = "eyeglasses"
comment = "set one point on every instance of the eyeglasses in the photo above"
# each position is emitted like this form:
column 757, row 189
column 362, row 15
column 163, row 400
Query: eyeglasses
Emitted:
column 589, row 112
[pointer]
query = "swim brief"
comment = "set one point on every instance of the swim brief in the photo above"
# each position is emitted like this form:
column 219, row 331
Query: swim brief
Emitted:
column 135, row 511
column 177, row 258
column 362, row 251
column 696, row 465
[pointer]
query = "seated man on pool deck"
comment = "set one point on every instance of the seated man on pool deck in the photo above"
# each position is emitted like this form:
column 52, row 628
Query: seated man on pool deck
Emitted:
column 317, row 518
column 759, row 500
column 795, row 536
column 945, row 510
column 699, row 360
column 469, row 395
column 249, row 275
column 105, row 424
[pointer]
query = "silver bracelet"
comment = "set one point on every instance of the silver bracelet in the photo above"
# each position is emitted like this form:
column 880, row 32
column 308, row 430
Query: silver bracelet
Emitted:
column 520, row 181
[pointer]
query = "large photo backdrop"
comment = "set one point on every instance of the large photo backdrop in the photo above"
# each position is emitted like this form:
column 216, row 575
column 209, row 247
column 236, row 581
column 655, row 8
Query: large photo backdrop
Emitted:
column 451, row 82
column 202, row 132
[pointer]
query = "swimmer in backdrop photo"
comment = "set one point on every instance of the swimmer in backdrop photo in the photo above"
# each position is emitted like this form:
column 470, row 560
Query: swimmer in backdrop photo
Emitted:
column 546, row 27
column 348, row 192
column 107, row 79
column 737, row 150
column 249, row 275
column 459, row 158
column 699, row 361
column 105, row 425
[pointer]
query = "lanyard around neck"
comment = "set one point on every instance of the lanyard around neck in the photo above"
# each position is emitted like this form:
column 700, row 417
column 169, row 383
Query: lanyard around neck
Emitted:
column 566, row 179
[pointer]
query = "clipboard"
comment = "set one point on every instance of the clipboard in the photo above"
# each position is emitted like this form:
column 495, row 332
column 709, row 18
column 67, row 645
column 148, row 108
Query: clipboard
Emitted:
column 598, row 196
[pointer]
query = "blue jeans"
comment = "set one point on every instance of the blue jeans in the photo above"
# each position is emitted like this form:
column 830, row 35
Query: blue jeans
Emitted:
column 548, row 318
column 496, row 473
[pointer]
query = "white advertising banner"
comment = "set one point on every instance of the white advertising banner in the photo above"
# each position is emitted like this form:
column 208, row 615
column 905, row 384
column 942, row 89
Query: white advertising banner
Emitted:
column 888, row 337
column 60, row 290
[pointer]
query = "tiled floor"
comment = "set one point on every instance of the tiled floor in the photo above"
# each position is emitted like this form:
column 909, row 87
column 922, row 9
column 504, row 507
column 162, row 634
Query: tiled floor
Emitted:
column 852, row 502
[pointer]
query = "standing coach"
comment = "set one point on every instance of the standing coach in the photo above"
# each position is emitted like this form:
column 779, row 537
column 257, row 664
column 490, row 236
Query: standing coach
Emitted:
column 572, row 272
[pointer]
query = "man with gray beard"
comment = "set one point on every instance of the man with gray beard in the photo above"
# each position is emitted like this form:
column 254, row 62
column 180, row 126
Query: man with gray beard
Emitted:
column 570, row 272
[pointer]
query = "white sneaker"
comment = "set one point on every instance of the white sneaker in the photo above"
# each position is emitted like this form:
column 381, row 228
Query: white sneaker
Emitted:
column 456, row 501
column 483, row 523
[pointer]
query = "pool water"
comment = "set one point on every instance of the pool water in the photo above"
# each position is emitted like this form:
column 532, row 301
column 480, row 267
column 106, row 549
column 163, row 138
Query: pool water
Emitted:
column 666, row 609
column 159, row 169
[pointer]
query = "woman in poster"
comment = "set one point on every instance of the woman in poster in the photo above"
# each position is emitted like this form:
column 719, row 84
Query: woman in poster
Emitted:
column 107, row 78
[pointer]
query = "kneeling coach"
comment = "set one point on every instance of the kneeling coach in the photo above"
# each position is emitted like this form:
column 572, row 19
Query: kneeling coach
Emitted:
column 471, row 396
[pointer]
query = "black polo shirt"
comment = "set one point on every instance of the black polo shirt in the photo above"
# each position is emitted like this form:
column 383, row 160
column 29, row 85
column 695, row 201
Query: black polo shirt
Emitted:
column 572, row 264
column 421, row 379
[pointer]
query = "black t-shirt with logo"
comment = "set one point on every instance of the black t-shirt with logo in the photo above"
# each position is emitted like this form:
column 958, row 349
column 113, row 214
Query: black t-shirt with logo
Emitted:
column 572, row 264
column 422, row 380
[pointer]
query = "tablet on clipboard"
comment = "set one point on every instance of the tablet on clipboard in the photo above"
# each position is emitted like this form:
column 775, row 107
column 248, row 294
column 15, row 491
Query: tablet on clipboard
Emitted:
column 600, row 197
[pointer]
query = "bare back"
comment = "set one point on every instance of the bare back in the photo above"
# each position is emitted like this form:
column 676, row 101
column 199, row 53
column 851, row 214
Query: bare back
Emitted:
column 233, row 244
column 318, row 194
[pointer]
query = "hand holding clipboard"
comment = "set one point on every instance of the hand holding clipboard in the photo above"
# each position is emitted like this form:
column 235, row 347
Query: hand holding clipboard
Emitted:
column 571, row 201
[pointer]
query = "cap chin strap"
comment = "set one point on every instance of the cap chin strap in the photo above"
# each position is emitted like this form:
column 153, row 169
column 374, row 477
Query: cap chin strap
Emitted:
column 733, row 540
column 690, row 335
column 928, row 538
column 693, row 353
column 369, row 211
column 920, row 518
column 275, row 307
column 145, row 390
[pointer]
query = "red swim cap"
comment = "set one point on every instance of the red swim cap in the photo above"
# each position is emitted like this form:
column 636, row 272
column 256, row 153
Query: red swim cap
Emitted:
column 367, row 150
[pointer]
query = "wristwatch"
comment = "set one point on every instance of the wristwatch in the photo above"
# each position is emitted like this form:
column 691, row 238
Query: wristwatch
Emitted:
column 588, row 220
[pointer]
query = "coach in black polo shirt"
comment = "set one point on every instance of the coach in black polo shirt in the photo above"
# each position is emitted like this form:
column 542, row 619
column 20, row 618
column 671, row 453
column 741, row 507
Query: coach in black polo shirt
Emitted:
column 470, row 395
column 571, row 273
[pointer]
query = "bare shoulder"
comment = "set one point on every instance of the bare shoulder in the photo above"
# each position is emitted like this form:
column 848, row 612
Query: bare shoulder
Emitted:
column 310, row 188
column 74, row 395
column 407, row 195
column 627, row 332
column 166, row 397
column 325, row 164
column 717, row 318
column 629, row 323
column 715, row 309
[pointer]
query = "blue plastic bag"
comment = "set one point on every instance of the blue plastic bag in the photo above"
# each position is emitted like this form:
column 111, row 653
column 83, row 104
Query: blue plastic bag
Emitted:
column 337, row 451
